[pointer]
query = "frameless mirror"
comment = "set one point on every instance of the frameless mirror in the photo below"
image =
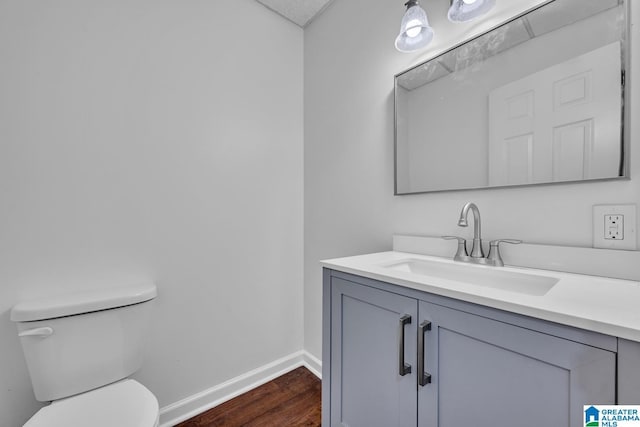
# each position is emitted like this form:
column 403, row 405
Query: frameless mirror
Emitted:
column 537, row 100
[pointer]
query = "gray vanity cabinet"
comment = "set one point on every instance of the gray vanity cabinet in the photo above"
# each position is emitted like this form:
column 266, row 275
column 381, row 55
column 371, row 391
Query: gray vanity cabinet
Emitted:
column 366, row 332
column 490, row 373
column 477, row 369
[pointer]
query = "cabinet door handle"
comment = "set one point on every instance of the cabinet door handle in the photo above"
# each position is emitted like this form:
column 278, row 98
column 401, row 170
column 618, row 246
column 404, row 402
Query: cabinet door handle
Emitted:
column 403, row 368
column 424, row 378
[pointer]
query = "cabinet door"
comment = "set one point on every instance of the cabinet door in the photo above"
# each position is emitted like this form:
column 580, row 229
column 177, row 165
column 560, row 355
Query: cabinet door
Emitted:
column 367, row 389
column 488, row 373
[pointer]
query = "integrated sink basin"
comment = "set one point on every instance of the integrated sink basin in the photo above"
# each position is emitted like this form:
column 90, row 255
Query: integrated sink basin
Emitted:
column 489, row 277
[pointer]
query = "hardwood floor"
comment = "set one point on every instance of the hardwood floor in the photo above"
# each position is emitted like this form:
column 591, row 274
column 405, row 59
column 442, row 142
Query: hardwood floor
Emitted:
column 290, row 400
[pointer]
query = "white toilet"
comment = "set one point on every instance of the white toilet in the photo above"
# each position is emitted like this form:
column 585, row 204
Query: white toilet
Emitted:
column 80, row 348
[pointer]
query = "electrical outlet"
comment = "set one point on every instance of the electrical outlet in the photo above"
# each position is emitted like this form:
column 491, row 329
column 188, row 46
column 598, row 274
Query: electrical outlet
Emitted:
column 614, row 227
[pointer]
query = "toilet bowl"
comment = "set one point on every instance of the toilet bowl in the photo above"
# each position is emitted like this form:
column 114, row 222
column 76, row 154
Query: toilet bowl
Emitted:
column 126, row 403
column 80, row 349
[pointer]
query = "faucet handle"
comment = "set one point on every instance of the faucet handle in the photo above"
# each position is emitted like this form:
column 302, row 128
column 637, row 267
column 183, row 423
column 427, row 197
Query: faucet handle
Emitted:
column 510, row 241
column 494, row 257
column 462, row 246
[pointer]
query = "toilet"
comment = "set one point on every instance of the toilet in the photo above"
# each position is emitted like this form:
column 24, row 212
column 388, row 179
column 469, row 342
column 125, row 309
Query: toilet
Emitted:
column 80, row 348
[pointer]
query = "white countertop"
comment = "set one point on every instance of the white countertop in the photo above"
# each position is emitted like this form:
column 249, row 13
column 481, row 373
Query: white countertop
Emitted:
column 608, row 306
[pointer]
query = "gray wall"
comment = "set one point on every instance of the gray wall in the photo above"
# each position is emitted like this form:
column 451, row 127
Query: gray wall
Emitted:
column 153, row 139
column 349, row 207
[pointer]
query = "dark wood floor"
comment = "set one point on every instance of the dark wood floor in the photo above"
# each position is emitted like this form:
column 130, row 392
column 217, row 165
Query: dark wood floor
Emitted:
column 290, row 400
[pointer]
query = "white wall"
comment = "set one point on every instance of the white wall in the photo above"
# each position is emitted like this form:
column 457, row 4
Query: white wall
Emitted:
column 154, row 139
column 349, row 207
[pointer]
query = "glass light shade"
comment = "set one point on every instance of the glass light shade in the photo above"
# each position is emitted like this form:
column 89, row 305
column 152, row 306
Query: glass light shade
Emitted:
column 415, row 32
column 466, row 10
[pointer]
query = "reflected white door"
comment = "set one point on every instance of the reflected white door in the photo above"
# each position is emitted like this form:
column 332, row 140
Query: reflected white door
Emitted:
column 559, row 124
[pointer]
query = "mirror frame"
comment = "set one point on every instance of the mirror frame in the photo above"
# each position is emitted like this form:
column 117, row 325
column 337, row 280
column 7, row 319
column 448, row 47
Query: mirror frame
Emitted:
column 624, row 99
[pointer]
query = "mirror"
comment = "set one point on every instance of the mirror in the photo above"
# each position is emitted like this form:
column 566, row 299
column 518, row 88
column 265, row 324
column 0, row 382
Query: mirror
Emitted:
column 537, row 100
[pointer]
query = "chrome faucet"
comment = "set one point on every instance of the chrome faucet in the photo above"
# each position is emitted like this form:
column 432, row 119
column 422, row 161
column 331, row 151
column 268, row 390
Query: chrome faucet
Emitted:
column 477, row 253
column 476, row 248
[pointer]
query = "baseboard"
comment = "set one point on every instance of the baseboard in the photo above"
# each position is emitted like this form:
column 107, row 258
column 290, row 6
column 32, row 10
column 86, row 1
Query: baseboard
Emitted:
column 312, row 363
column 191, row 406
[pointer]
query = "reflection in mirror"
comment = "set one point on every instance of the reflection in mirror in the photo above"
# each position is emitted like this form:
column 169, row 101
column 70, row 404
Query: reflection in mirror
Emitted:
column 537, row 100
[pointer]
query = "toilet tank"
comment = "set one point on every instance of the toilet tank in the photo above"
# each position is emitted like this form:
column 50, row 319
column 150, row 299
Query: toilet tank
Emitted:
column 81, row 341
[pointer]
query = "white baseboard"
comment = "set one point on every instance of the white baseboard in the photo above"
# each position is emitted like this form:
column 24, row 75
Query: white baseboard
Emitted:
column 191, row 406
column 312, row 363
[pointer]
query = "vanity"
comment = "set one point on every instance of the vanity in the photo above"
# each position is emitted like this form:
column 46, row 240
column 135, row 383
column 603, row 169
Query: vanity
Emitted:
column 419, row 340
column 456, row 338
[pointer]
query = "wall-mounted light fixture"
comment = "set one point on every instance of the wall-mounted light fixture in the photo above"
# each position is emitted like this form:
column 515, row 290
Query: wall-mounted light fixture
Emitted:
column 468, row 10
column 415, row 32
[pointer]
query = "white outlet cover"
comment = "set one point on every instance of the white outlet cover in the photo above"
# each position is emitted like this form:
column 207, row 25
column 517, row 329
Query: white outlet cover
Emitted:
column 629, row 241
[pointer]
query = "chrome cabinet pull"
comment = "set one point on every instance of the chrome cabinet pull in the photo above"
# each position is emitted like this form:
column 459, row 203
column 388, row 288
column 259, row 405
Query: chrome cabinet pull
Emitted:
column 424, row 378
column 403, row 368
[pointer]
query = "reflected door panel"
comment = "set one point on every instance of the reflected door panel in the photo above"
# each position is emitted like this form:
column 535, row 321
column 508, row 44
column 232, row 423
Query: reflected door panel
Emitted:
column 519, row 159
column 559, row 124
column 573, row 151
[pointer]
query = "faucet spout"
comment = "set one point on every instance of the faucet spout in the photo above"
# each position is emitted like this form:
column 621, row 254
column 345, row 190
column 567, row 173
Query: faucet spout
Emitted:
column 476, row 251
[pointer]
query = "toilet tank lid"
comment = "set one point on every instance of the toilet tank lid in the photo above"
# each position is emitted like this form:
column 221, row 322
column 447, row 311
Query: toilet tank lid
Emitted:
column 83, row 302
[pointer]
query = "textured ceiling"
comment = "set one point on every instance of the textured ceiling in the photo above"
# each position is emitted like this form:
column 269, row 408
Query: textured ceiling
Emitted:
column 300, row 12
